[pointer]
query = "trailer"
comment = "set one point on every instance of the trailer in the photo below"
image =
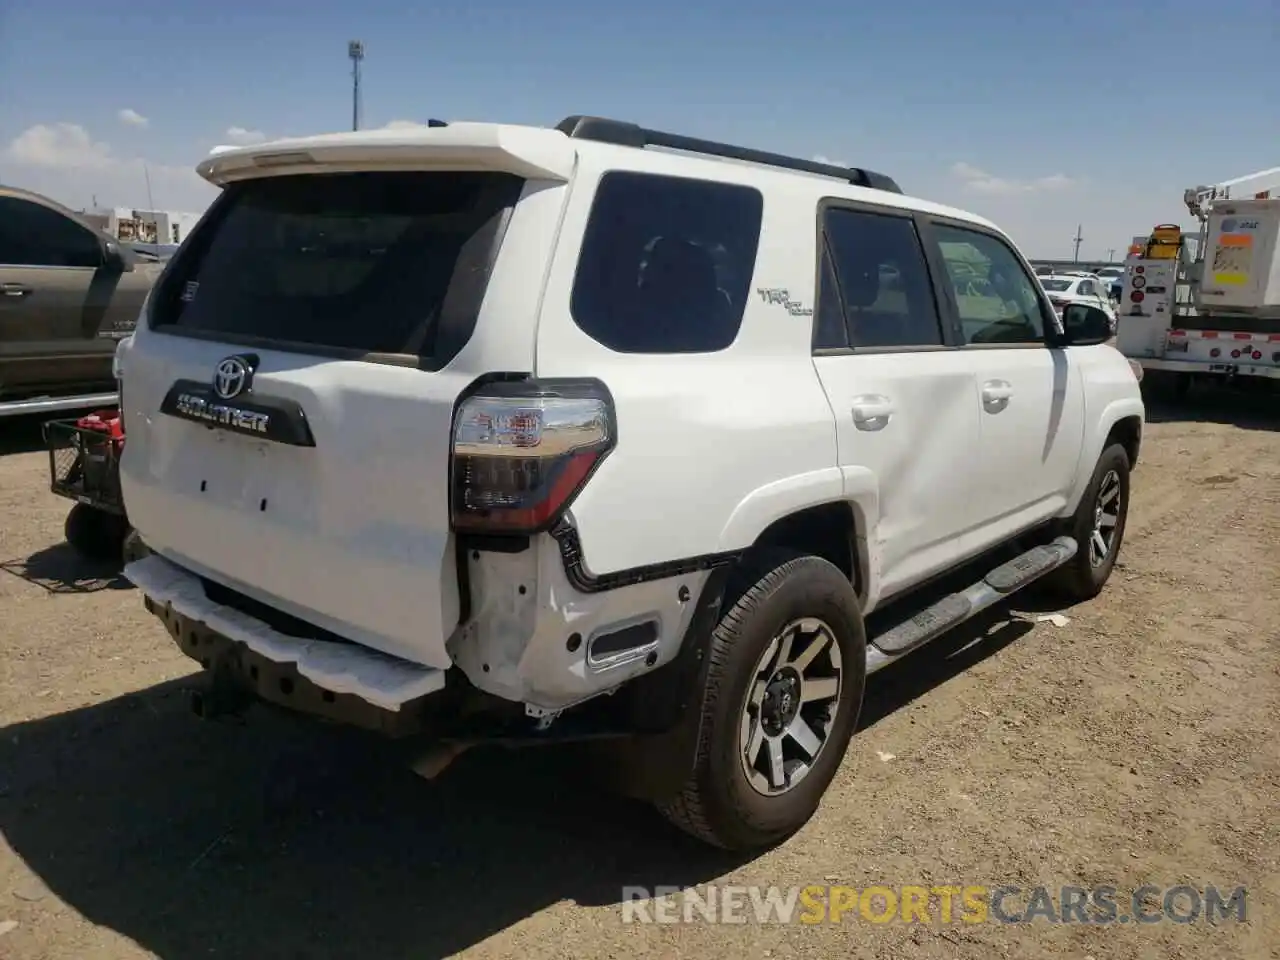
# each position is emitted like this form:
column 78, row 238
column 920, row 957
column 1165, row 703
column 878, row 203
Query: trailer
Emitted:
column 1207, row 305
column 84, row 467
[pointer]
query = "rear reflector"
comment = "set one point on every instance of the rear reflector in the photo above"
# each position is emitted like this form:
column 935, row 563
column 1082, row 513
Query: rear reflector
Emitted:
column 522, row 451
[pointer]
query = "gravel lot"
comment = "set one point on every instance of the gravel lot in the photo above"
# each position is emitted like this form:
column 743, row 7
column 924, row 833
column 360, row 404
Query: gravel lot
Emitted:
column 1133, row 744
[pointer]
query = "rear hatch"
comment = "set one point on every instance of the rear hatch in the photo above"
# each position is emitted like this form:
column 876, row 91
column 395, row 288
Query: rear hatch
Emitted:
column 289, row 402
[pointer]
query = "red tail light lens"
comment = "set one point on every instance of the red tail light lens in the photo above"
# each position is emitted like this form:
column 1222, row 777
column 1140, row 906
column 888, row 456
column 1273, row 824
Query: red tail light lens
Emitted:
column 523, row 450
column 1137, row 296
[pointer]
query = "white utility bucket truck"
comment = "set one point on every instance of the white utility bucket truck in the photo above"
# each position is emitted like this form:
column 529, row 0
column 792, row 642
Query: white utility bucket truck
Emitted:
column 1208, row 304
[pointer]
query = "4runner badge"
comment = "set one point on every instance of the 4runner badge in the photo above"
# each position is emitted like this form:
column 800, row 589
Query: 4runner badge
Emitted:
column 231, row 377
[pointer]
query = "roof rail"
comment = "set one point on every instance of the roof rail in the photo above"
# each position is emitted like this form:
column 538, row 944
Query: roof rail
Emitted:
column 626, row 134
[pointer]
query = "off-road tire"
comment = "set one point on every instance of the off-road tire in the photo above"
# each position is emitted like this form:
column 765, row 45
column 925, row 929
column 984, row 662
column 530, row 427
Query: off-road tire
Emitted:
column 95, row 534
column 1078, row 579
column 717, row 804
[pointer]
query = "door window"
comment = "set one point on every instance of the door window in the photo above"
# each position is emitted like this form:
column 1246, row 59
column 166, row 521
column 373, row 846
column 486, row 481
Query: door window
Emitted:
column 1087, row 289
column 880, row 279
column 995, row 297
column 33, row 235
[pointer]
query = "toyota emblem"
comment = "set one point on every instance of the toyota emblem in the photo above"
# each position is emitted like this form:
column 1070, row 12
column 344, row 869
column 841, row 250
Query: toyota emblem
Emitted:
column 231, row 377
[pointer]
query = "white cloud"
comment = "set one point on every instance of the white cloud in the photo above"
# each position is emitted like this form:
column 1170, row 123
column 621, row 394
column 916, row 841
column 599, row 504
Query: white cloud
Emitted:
column 63, row 161
column 983, row 182
column 244, row 136
column 403, row 125
column 132, row 117
column 58, row 146
column 823, row 158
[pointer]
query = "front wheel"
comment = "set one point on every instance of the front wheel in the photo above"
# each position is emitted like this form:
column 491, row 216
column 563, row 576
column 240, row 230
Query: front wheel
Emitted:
column 786, row 672
column 1098, row 528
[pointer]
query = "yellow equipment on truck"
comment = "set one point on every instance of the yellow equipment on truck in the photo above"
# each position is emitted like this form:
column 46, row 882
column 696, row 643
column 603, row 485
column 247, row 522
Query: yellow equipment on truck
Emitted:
column 1208, row 304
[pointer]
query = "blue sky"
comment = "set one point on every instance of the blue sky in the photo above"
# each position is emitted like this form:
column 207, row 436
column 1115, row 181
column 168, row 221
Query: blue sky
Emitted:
column 1039, row 116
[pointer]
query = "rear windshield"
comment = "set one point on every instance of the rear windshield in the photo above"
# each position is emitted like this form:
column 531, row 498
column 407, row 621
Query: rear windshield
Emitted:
column 1056, row 286
column 368, row 262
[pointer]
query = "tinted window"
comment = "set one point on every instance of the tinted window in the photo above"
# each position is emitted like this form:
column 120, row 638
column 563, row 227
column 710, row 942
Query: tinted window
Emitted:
column 995, row 297
column 34, row 235
column 882, row 279
column 1056, row 286
column 666, row 263
column 372, row 262
column 1086, row 288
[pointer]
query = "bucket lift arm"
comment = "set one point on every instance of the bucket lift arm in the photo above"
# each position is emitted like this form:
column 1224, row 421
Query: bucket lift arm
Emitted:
column 1253, row 186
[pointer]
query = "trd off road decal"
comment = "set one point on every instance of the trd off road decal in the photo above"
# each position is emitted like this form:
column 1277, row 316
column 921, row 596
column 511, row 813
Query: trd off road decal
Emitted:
column 782, row 296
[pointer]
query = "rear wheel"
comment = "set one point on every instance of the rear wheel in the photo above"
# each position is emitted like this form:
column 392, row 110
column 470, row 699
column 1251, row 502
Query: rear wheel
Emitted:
column 95, row 534
column 787, row 667
column 1098, row 529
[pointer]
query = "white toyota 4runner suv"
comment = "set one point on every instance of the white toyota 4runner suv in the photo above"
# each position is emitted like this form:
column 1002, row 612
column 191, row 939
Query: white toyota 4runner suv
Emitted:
column 494, row 433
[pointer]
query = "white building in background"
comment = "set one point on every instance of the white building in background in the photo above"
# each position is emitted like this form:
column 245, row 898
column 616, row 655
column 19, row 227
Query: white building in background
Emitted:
column 143, row 226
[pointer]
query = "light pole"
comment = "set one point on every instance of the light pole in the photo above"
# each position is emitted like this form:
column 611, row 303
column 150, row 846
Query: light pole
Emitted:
column 355, row 50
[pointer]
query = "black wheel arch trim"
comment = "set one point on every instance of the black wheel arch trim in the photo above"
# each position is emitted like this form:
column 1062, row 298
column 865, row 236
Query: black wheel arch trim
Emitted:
column 566, row 537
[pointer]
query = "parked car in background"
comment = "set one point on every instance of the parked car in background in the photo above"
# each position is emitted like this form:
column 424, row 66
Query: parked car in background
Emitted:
column 1088, row 289
column 68, row 294
column 1113, row 277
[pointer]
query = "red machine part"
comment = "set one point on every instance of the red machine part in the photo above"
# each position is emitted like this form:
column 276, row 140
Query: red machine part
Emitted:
column 107, row 422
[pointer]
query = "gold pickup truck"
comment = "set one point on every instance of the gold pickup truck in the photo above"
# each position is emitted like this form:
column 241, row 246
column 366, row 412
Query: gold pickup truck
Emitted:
column 68, row 294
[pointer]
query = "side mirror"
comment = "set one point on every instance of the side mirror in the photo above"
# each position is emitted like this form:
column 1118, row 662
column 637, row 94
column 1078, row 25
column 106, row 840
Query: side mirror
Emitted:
column 115, row 259
column 1084, row 325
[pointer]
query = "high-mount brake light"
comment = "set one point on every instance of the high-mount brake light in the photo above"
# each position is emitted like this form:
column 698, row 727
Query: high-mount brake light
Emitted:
column 523, row 450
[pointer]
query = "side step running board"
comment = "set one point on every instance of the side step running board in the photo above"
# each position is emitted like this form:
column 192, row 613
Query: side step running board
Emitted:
column 952, row 610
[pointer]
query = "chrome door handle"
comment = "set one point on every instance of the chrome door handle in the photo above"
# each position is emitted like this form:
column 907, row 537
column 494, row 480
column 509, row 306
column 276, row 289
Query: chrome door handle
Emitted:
column 872, row 411
column 15, row 290
column 997, row 393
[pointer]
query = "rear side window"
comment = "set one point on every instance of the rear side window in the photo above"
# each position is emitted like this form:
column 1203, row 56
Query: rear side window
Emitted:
column 666, row 263
column 882, row 280
column 390, row 263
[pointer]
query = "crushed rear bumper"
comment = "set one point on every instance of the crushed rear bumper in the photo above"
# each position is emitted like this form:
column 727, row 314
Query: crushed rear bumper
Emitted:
column 343, row 682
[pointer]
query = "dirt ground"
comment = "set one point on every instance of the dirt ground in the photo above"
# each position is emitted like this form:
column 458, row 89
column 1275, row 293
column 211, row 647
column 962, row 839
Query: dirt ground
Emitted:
column 1133, row 744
